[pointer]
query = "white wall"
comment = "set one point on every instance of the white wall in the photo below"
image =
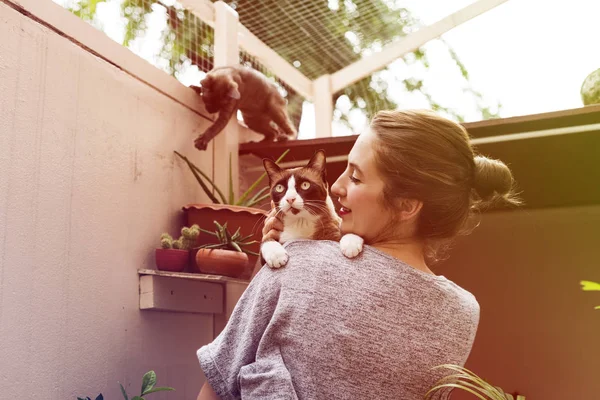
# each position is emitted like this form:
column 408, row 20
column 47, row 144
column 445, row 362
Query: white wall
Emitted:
column 88, row 181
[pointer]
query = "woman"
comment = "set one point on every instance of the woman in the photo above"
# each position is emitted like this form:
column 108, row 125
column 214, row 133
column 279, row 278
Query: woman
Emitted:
column 327, row 327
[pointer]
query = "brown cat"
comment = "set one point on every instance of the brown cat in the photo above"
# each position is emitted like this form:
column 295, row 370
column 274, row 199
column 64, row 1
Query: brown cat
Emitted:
column 227, row 89
column 301, row 196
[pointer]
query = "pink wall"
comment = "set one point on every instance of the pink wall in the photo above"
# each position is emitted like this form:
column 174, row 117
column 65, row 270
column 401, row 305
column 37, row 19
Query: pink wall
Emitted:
column 538, row 334
column 88, row 182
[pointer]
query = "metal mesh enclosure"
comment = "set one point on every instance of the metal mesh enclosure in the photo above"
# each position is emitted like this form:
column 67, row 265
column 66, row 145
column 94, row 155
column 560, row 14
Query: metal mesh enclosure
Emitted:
column 162, row 32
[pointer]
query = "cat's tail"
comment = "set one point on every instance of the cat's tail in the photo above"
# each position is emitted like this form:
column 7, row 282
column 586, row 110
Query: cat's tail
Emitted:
column 225, row 114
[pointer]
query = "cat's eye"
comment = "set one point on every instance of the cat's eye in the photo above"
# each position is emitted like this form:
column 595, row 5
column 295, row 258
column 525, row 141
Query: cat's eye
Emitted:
column 305, row 185
column 279, row 188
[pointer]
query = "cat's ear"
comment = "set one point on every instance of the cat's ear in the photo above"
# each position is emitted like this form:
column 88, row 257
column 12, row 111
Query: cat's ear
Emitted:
column 318, row 161
column 233, row 91
column 271, row 168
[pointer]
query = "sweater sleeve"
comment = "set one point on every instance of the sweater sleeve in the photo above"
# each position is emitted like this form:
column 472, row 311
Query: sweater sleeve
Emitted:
column 236, row 346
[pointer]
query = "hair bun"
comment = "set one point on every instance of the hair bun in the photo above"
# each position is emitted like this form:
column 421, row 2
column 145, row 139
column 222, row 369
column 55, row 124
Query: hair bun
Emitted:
column 494, row 182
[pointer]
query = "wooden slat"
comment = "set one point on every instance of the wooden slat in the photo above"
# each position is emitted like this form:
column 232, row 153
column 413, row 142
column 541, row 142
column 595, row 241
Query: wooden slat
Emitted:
column 367, row 65
column 180, row 295
column 273, row 61
column 196, row 277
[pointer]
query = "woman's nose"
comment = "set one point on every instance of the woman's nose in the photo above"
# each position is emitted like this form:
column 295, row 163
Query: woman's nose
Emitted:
column 337, row 189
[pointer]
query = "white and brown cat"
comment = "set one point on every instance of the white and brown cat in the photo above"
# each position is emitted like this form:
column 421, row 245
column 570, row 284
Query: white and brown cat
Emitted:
column 301, row 197
column 228, row 89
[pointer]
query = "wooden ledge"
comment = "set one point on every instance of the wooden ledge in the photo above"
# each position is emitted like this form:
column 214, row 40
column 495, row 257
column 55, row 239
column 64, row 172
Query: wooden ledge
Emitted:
column 188, row 292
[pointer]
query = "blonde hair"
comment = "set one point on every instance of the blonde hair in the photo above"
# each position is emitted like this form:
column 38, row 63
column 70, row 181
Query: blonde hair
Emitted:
column 429, row 158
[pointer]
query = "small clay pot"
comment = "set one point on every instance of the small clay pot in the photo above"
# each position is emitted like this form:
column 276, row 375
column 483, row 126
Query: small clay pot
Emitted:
column 173, row 260
column 222, row 262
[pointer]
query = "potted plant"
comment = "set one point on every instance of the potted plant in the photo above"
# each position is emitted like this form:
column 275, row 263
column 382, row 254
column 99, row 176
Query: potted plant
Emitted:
column 238, row 212
column 468, row 381
column 229, row 256
column 148, row 382
column 174, row 255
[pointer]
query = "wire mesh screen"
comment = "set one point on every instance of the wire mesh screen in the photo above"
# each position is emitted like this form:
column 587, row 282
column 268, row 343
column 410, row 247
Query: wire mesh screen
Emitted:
column 295, row 101
column 161, row 32
column 322, row 37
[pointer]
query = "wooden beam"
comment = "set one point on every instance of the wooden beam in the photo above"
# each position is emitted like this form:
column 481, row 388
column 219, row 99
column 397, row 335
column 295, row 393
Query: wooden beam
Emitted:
column 226, row 144
column 367, row 65
column 272, row 60
column 323, row 106
column 202, row 9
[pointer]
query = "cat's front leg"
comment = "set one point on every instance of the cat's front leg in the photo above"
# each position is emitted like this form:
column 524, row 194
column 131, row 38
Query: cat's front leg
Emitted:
column 351, row 245
column 274, row 254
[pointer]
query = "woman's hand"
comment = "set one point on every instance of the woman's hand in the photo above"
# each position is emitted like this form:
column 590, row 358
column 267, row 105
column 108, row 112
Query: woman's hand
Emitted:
column 273, row 227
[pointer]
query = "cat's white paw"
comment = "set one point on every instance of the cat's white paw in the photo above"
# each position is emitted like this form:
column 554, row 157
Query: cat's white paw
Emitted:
column 351, row 245
column 274, row 254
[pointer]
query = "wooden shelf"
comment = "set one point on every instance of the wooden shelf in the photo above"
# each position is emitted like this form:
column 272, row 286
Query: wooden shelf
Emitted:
column 189, row 292
column 188, row 275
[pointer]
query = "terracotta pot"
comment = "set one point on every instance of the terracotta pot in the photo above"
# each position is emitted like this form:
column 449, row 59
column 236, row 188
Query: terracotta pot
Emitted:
column 222, row 262
column 250, row 220
column 173, row 260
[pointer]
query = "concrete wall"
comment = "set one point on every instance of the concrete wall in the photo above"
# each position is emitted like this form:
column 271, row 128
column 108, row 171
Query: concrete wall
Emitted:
column 88, row 181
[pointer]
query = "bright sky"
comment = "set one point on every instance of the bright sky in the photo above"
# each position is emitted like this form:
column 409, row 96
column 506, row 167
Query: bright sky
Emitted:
column 530, row 55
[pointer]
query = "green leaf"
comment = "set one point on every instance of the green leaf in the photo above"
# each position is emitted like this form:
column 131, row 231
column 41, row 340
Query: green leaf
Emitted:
column 236, row 235
column 243, row 198
column 195, row 170
column 138, row 398
column 148, row 381
column 160, row 389
column 246, row 238
column 123, row 392
column 266, row 196
column 236, row 246
column 589, row 286
column 209, row 232
column 212, row 246
column 231, row 199
column 250, row 252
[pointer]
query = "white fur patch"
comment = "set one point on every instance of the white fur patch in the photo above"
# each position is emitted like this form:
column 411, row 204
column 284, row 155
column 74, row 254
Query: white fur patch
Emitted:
column 351, row 245
column 274, row 254
column 291, row 193
column 299, row 226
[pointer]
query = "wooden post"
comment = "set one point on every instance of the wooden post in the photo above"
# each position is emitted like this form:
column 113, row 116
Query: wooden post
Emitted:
column 226, row 143
column 323, row 101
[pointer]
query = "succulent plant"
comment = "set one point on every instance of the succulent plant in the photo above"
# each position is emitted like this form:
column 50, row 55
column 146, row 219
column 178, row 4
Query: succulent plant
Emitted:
column 186, row 241
column 227, row 241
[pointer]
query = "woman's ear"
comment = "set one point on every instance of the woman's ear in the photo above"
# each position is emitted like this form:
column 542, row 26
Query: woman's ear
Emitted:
column 409, row 209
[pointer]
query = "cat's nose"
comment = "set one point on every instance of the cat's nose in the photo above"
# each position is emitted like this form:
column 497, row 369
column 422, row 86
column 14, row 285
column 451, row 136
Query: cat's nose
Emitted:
column 291, row 199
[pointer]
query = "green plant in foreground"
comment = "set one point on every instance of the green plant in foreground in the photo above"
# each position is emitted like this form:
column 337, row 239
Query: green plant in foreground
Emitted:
column 468, row 381
column 245, row 200
column 588, row 286
column 148, row 382
column 227, row 241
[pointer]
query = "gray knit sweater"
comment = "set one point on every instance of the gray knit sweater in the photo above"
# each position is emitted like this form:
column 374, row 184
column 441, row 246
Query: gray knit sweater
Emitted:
column 327, row 327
